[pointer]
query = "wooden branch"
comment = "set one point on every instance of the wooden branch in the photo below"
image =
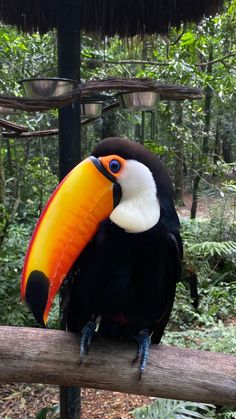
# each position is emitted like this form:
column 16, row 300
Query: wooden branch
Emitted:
column 217, row 60
column 31, row 134
column 12, row 126
column 51, row 356
column 100, row 61
column 166, row 91
column 39, row 134
column 54, row 131
column 124, row 84
column 39, row 104
column 43, row 133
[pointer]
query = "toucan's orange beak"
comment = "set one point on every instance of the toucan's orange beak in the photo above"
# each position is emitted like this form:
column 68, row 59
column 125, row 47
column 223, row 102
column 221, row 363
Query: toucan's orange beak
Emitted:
column 68, row 222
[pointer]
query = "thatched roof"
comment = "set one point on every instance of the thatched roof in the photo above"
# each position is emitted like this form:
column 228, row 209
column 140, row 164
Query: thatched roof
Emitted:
column 109, row 17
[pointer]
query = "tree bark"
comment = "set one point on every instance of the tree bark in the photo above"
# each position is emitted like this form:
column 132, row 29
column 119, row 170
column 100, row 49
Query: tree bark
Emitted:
column 110, row 125
column 2, row 178
column 207, row 106
column 51, row 356
column 205, row 143
column 196, row 182
column 217, row 142
column 179, row 157
column 207, row 109
column 227, row 149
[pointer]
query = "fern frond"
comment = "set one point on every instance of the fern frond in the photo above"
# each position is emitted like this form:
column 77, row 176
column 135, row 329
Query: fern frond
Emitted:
column 175, row 409
column 211, row 248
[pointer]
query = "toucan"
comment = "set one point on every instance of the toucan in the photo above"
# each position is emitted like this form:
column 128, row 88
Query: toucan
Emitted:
column 111, row 226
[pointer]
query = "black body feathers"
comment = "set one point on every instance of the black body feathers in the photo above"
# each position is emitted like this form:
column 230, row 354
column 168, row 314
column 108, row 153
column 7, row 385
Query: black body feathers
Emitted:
column 129, row 279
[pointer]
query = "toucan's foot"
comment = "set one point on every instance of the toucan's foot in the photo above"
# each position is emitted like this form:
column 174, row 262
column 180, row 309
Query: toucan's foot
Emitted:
column 86, row 338
column 87, row 333
column 143, row 340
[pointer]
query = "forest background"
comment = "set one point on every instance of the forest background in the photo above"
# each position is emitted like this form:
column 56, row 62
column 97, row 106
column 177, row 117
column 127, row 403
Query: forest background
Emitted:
column 195, row 139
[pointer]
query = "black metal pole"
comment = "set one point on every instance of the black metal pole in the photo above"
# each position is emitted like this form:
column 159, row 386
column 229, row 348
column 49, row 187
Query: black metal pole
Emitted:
column 68, row 38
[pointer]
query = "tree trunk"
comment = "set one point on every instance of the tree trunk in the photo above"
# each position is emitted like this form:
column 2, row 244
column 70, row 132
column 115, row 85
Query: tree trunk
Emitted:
column 110, row 125
column 217, row 142
column 2, row 198
column 179, row 156
column 227, row 149
column 207, row 106
column 2, row 178
column 205, row 143
column 195, row 196
column 9, row 158
column 143, row 127
column 207, row 110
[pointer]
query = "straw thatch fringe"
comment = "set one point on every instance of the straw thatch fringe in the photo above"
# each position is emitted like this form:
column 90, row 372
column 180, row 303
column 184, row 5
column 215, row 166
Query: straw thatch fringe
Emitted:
column 29, row 16
column 109, row 17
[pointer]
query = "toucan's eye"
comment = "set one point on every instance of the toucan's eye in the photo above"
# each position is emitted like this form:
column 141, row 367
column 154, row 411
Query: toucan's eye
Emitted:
column 114, row 166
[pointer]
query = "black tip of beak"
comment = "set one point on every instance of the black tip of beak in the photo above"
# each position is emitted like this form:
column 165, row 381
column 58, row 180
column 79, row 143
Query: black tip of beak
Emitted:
column 37, row 294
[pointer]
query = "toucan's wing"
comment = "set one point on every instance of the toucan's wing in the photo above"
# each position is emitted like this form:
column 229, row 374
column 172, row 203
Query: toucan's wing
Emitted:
column 101, row 285
column 72, row 316
column 128, row 279
column 172, row 276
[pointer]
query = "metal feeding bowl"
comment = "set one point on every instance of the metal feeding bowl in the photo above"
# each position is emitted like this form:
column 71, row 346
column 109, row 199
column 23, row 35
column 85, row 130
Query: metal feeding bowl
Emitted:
column 90, row 109
column 47, row 87
column 138, row 101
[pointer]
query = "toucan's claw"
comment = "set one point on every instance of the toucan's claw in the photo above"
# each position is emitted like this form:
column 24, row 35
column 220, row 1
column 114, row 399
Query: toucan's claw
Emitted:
column 86, row 338
column 143, row 340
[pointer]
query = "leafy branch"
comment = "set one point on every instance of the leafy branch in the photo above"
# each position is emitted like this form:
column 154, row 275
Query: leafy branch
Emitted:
column 212, row 248
column 154, row 63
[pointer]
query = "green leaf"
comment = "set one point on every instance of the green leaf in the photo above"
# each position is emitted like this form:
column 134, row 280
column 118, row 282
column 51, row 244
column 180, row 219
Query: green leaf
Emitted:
column 42, row 414
column 175, row 409
column 48, row 412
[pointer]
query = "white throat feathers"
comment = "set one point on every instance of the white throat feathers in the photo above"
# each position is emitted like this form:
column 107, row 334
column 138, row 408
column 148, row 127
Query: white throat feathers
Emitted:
column 139, row 208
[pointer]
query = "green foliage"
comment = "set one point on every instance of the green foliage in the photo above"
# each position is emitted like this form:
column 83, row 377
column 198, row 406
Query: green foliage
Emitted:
column 12, row 254
column 217, row 338
column 25, row 55
column 210, row 251
column 211, row 248
column 210, row 245
column 216, row 302
column 225, row 413
column 202, row 56
column 158, row 149
column 34, row 194
column 174, row 409
column 48, row 412
column 29, row 166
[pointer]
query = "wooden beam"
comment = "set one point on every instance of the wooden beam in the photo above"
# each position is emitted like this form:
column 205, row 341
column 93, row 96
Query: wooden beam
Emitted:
column 12, row 125
column 40, row 134
column 31, row 134
column 51, row 356
column 116, row 84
